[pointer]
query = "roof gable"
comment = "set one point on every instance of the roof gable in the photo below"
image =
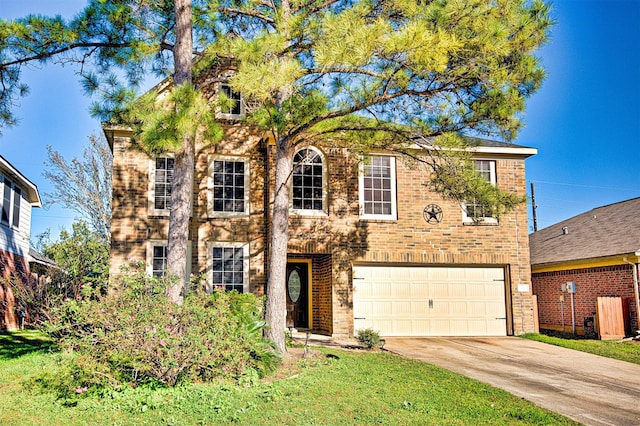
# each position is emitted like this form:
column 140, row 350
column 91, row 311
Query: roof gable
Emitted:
column 32, row 190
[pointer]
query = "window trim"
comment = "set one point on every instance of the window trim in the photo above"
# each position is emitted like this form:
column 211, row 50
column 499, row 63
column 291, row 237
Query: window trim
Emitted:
column 245, row 262
column 13, row 204
column 325, row 185
column 227, row 115
column 468, row 220
column 150, row 244
column 152, row 187
column 393, row 190
column 247, row 182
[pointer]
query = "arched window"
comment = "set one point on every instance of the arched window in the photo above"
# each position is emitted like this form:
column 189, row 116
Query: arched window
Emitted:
column 308, row 181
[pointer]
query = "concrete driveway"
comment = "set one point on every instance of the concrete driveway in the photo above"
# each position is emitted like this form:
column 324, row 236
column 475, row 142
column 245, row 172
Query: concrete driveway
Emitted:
column 587, row 388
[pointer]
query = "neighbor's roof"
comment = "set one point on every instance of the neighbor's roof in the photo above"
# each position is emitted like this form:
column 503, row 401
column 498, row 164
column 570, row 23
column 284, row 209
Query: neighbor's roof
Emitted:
column 12, row 173
column 612, row 230
column 37, row 257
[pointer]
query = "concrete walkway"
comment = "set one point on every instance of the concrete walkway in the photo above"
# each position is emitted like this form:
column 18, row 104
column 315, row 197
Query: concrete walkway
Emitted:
column 587, row 388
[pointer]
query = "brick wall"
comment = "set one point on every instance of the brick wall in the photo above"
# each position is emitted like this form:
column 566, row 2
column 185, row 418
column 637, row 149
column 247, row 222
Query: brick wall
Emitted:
column 13, row 268
column 591, row 283
column 334, row 241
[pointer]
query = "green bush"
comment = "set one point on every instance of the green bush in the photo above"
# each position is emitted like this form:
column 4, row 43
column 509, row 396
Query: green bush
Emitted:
column 368, row 337
column 134, row 335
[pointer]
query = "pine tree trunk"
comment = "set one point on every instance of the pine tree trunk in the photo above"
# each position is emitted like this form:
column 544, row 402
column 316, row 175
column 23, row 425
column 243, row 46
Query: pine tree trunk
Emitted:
column 182, row 186
column 276, row 308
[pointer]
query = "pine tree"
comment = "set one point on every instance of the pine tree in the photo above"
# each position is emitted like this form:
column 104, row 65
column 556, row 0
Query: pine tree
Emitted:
column 382, row 74
column 366, row 74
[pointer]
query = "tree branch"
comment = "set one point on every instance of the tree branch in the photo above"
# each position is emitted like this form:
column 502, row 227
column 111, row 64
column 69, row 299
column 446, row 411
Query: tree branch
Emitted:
column 250, row 13
column 45, row 55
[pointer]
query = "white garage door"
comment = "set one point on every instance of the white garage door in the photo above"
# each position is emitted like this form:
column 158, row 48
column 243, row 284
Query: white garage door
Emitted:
column 429, row 301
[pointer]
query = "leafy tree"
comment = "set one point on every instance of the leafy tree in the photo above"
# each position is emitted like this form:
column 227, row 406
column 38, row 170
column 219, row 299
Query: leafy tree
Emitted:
column 114, row 45
column 364, row 73
column 84, row 185
column 81, row 262
column 82, row 255
column 382, row 74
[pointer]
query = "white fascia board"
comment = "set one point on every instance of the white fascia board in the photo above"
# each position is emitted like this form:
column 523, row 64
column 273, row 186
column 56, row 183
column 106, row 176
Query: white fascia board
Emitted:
column 13, row 173
column 516, row 151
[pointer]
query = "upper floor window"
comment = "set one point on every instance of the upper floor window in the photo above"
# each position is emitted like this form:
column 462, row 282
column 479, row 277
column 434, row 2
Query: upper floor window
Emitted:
column 308, row 186
column 160, row 185
column 230, row 266
column 473, row 210
column 11, row 198
column 378, row 188
column 233, row 106
column 229, row 182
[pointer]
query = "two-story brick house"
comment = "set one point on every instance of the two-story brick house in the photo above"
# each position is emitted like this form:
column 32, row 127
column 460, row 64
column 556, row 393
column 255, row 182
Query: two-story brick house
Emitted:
column 370, row 245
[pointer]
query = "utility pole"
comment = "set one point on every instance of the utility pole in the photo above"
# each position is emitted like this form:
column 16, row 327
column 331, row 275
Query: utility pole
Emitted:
column 533, row 208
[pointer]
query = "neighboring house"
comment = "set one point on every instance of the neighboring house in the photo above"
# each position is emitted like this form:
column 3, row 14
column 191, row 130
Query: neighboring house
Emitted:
column 19, row 196
column 370, row 245
column 599, row 251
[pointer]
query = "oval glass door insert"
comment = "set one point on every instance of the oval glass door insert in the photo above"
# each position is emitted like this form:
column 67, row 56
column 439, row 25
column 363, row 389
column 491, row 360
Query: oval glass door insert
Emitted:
column 294, row 286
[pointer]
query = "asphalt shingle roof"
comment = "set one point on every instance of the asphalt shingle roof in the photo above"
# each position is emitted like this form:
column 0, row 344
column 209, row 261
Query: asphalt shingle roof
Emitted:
column 604, row 231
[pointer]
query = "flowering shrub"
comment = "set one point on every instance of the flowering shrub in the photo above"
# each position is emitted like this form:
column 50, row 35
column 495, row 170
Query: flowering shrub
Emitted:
column 135, row 335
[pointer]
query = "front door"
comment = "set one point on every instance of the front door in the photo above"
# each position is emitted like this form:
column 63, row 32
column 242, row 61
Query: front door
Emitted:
column 298, row 294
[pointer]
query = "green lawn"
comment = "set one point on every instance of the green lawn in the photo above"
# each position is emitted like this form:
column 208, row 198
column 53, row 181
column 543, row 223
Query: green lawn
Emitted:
column 626, row 350
column 335, row 387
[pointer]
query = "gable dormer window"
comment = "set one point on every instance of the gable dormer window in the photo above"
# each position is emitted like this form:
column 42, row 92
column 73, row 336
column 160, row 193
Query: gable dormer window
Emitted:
column 233, row 108
column 473, row 211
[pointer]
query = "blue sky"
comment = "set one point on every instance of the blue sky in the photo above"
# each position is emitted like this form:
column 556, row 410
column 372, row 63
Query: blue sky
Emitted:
column 585, row 121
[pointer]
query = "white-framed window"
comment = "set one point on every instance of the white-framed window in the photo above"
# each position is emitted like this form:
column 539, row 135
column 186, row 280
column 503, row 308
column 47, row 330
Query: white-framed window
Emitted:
column 11, row 200
column 377, row 189
column 473, row 211
column 234, row 108
column 309, row 182
column 160, row 180
column 228, row 186
column 156, row 258
column 229, row 266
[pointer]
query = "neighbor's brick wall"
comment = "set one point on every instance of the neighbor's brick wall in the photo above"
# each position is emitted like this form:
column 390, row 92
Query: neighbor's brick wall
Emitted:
column 12, row 267
column 591, row 283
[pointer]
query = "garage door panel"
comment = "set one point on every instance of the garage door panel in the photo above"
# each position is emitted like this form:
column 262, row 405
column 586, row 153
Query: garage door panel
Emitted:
column 457, row 290
column 438, row 290
column 430, row 301
column 401, row 290
column 419, row 307
column 401, row 309
column 476, row 290
column 457, row 308
column 495, row 290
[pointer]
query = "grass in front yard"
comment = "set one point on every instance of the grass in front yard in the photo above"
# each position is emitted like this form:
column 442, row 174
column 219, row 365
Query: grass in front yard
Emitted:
column 334, row 387
column 625, row 350
column 23, row 342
